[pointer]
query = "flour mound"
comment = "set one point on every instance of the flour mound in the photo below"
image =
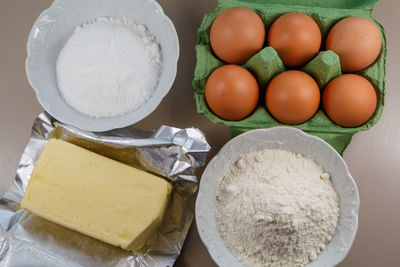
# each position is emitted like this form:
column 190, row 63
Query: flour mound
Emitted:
column 276, row 208
column 108, row 67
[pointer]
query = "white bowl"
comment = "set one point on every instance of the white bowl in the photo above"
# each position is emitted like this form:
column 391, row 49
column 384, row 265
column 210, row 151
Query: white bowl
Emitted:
column 293, row 140
column 52, row 29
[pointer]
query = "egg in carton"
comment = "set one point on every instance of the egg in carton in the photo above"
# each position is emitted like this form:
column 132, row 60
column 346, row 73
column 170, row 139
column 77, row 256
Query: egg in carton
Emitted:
column 266, row 64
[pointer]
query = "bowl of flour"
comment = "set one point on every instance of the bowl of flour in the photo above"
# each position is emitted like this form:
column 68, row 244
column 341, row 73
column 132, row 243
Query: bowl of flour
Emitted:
column 100, row 65
column 277, row 197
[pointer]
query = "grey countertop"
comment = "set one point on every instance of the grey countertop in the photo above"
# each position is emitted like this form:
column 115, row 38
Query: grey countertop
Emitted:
column 373, row 156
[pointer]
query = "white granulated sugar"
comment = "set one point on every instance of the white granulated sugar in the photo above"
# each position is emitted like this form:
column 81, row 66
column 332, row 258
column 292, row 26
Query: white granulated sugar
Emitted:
column 109, row 67
column 276, row 208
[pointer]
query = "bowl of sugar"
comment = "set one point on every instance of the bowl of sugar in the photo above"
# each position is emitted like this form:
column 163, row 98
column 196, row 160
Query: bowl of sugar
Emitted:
column 99, row 64
column 277, row 197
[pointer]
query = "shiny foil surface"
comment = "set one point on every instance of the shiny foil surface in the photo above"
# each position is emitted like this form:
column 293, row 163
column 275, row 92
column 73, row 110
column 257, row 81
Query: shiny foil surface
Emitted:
column 28, row 240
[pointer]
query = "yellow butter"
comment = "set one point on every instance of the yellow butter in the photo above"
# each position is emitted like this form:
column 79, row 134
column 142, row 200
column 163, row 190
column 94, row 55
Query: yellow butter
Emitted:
column 96, row 196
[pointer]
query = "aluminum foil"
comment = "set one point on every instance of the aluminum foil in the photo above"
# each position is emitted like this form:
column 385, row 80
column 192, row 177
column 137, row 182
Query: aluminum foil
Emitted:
column 28, row 240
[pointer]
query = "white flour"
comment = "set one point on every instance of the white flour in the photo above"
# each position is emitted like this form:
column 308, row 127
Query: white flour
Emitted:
column 108, row 67
column 276, row 208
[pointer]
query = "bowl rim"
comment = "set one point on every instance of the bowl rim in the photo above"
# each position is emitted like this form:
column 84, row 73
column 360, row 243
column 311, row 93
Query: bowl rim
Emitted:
column 201, row 195
column 112, row 122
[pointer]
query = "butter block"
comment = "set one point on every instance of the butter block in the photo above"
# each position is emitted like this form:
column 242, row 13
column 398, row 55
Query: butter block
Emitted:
column 96, row 196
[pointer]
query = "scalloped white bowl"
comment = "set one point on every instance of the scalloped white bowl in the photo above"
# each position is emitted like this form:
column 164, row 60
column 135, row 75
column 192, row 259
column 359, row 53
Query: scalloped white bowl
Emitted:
column 52, row 29
column 293, row 140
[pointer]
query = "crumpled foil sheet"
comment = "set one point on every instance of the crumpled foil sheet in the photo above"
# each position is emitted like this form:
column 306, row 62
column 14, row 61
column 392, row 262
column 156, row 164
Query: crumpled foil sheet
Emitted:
column 28, row 240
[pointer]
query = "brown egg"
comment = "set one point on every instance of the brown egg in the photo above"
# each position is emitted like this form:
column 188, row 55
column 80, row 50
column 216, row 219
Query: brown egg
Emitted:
column 296, row 38
column 237, row 34
column 357, row 41
column 349, row 100
column 292, row 97
column 232, row 92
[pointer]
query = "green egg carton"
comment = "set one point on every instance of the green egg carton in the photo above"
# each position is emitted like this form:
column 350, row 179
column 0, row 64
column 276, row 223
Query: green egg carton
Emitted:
column 266, row 64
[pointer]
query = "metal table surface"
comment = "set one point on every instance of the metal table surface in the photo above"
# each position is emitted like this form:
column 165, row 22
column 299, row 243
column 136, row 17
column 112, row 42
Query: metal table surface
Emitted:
column 373, row 156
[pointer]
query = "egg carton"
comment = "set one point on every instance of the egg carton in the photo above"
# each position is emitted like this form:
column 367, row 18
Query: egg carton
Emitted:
column 266, row 64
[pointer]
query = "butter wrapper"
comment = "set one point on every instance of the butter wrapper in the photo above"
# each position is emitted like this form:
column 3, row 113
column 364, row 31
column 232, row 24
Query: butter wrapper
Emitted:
column 28, row 240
